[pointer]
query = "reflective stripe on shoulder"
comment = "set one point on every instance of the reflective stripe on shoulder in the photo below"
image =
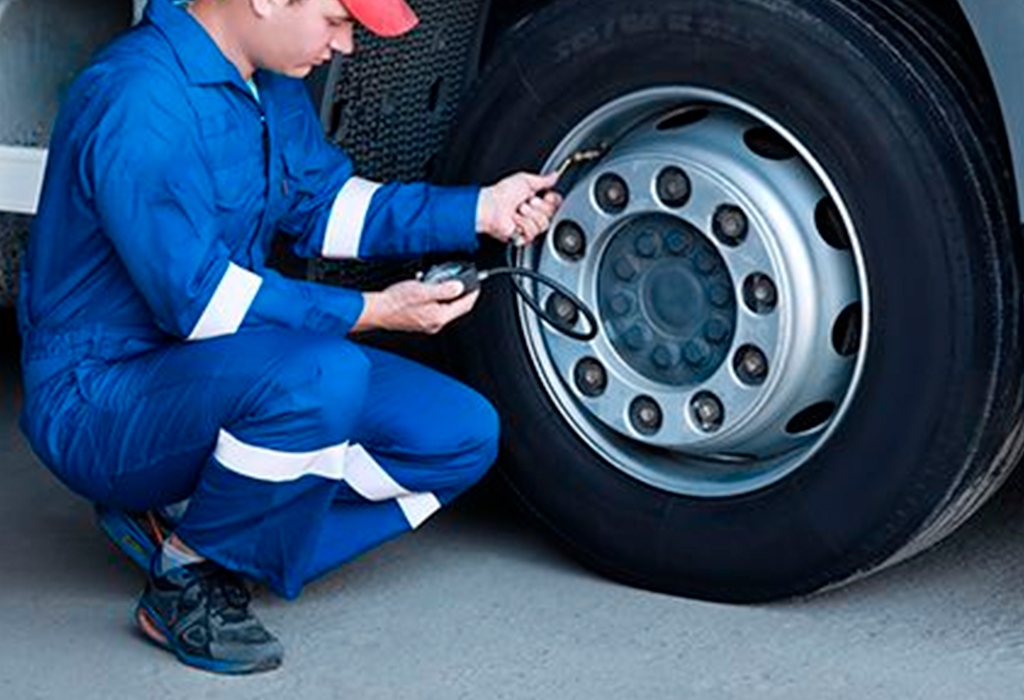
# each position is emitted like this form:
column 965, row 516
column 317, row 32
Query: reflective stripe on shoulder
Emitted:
column 230, row 303
column 348, row 217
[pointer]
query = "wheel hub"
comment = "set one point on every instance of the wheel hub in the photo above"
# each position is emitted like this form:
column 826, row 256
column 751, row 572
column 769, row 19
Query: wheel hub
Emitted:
column 666, row 299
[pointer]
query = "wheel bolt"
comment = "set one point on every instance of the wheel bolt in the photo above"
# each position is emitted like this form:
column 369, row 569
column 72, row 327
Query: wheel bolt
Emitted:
column 645, row 415
column 719, row 295
column 730, row 225
column 646, row 245
column 673, row 187
column 707, row 411
column 570, row 241
column 759, row 293
column 706, row 263
column 751, row 365
column 634, row 338
column 591, row 379
column 559, row 306
column 679, row 242
column 716, row 330
column 662, row 357
column 612, row 193
column 625, row 270
column 620, row 305
column 695, row 352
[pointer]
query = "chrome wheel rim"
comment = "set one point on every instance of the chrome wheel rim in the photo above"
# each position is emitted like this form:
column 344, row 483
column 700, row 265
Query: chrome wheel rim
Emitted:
column 729, row 285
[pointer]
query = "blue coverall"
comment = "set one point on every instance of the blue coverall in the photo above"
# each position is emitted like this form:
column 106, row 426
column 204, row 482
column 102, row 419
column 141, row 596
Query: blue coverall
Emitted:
column 163, row 360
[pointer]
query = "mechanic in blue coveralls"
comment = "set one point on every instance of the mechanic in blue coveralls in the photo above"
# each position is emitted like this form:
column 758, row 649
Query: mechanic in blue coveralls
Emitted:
column 164, row 361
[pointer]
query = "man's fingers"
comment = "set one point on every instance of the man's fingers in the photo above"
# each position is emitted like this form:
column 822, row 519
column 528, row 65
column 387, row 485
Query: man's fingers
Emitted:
column 461, row 306
column 541, row 182
column 537, row 218
column 446, row 291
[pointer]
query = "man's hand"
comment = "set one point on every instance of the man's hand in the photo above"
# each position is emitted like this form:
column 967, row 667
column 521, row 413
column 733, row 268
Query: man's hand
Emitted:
column 414, row 306
column 514, row 207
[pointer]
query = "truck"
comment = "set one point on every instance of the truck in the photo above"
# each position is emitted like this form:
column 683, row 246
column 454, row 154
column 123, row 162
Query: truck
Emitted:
column 801, row 245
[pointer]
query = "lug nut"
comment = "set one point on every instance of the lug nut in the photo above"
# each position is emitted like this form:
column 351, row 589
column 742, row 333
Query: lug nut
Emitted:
column 673, row 187
column 706, row 262
column 634, row 338
column 560, row 307
column 716, row 330
column 570, row 241
column 625, row 270
column 707, row 411
column 662, row 357
column 759, row 293
column 611, row 193
column 751, row 365
column 730, row 225
column 646, row 245
column 645, row 415
column 591, row 379
column 719, row 295
column 679, row 242
column 695, row 352
column 620, row 305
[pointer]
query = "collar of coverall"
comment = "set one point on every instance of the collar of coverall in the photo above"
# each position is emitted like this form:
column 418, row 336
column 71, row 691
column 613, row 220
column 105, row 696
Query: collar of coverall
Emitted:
column 383, row 17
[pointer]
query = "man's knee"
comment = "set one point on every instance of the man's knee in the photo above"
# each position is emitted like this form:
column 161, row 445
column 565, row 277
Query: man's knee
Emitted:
column 474, row 429
column 314, row 392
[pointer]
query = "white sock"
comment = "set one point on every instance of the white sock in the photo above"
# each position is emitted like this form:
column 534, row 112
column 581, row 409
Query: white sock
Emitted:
column 174, row 557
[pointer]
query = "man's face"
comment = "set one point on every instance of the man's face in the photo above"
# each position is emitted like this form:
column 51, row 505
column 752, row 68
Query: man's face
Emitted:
column 297, row 37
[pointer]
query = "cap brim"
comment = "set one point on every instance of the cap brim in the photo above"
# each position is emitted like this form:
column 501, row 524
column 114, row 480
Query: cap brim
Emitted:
column 383, row 17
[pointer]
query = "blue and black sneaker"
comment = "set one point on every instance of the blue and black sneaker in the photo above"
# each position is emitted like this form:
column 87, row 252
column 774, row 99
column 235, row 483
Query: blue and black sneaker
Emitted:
column 200, row 612
column 136, row 534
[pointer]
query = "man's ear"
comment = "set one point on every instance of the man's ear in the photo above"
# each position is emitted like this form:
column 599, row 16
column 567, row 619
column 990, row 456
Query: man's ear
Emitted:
column 265, row 8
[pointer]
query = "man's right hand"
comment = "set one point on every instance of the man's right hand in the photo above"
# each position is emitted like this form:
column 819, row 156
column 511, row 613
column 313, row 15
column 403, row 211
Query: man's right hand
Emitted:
column 414, row 306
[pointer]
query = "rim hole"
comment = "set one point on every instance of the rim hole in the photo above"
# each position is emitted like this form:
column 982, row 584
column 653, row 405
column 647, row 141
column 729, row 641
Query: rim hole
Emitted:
column 847, row 329
column 767, row 143
column 645, row 415
column 830, row 224
column 570, row 240
column 682, row 118
column 810, row 418
column 611, row 193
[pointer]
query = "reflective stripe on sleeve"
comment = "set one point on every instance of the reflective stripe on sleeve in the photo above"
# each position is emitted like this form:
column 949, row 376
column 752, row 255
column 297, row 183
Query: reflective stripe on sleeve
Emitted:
column 348, row 216
column 230, row 303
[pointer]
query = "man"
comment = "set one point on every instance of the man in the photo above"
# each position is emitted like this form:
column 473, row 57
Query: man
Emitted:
column 162, row 359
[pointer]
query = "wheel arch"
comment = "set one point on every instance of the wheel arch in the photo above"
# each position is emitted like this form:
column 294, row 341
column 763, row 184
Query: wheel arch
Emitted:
column 996, row 29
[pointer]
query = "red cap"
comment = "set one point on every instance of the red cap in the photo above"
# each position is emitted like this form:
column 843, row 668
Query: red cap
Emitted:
column 383, row 17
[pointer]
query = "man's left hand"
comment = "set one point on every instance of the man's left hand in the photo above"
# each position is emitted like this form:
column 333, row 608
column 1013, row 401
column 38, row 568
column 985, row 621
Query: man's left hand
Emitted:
column 519, row 207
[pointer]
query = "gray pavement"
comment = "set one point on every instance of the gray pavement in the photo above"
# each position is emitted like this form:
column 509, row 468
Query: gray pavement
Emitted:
column 478, row 604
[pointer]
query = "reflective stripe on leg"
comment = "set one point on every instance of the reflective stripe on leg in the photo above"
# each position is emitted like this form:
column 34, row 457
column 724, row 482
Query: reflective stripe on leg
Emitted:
column 369, row 480
column 350, row 463
column 266, row 464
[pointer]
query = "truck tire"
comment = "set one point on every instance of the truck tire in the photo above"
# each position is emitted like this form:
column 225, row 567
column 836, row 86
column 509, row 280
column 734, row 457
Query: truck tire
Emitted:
column 801, row 244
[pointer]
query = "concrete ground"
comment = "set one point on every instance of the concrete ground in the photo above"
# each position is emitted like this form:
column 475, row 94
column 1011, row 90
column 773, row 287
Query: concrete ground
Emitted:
column 478, row 604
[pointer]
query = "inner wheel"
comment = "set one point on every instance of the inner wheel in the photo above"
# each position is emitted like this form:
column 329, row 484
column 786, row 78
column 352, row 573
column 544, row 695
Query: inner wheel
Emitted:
column 727, row 282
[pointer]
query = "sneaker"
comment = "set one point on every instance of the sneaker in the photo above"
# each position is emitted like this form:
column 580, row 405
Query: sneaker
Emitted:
column 200, row 612
column 136, row 534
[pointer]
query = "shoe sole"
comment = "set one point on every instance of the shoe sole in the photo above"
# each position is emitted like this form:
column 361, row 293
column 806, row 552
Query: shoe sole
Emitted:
column 156, row 632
